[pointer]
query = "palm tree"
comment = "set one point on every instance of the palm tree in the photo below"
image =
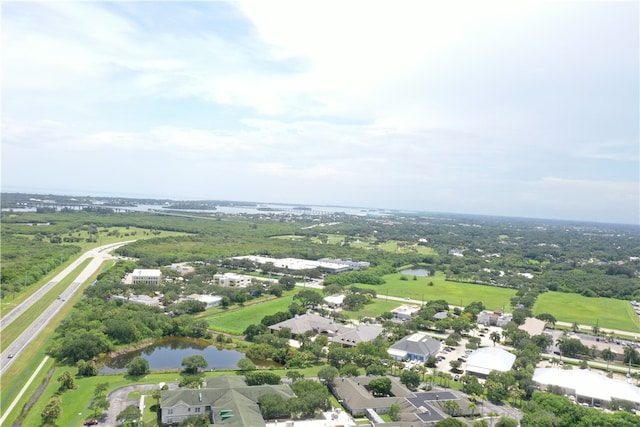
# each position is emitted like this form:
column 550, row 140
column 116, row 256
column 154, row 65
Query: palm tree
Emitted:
column 451, row 406
column 596, row 329
column 447, row 377
column 608, row 355
column 630, row 356
column 472, row 406
column 560, row 344
column 495, row 337
column 491, row 416
column 517, row 394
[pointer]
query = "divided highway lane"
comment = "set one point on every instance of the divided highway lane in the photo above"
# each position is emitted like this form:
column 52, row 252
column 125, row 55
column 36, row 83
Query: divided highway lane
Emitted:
column 24, row 306
column 98, row 255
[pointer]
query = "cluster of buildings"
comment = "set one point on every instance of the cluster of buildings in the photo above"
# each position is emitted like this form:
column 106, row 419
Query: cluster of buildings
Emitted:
column 345, row 335
column 327, row 265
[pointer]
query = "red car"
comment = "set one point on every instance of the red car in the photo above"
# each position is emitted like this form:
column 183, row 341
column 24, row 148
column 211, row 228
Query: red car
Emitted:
column 91, row 422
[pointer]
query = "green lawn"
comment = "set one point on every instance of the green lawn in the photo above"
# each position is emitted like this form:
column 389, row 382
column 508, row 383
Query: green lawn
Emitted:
column 235, row 320
column 607, row 312
column 373, row 309
column 398, row 246
column 453, row 292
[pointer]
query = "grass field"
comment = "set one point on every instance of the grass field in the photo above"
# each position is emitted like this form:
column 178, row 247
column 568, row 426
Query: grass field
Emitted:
column 453, row 292
column 373, row 309
column 607, row 312
column 234, row 321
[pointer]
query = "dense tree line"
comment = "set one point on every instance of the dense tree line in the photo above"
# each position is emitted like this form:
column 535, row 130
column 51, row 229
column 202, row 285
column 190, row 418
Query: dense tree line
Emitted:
column 97, row 327
column 547, row 409
column 25, row 261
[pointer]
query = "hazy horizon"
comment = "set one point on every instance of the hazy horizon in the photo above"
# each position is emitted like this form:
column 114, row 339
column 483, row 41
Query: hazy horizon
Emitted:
column 158, row 198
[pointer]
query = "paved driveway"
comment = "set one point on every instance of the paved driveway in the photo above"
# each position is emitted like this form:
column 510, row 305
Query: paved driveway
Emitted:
column 119, row 401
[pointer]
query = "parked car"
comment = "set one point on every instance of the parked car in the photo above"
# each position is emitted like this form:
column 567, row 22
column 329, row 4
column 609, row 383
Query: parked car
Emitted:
column 92, row 422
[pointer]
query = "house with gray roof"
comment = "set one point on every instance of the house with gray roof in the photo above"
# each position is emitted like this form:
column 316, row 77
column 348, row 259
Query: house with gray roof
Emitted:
column 414, row 347
column 308, row 322
column 227, row 401
column 441, row 315
column 346, row 335
column 351, row 336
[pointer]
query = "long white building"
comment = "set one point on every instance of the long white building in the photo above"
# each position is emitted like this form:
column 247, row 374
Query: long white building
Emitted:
column 586, row 386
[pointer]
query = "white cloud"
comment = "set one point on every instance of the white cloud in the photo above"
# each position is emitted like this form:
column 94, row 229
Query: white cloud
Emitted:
column 460, row 105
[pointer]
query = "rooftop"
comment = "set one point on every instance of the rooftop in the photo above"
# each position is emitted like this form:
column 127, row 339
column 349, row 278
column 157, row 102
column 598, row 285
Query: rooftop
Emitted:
column 588, row 384
column 485, row 360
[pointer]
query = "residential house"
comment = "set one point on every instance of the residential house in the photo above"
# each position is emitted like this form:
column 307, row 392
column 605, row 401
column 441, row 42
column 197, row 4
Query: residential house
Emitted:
column 347, row 335
column 405, row 312
column 414, row 347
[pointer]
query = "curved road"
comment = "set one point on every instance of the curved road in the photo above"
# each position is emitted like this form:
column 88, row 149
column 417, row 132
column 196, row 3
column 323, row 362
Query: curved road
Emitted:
column 119, row 400
column 97, row 256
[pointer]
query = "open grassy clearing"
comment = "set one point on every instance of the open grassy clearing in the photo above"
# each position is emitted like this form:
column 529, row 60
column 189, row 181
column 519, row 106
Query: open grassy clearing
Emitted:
column 454, row 293
column 607, row 312
column 235, row 320
column 374, row 309
column 288, row 237
column 404, row 247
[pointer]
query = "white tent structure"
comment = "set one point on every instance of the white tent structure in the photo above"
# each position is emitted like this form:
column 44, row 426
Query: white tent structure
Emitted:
column 485, row 360
column 587, row 386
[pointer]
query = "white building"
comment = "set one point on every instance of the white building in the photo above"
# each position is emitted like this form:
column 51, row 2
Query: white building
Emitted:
column 138, row 299
column 405, row 312
column 587, row 386
column 329, row 265
column 334, row 301
column 232, row 280
column 146, row 276
column 494, row 318
column 210, row 300
column 485, row 360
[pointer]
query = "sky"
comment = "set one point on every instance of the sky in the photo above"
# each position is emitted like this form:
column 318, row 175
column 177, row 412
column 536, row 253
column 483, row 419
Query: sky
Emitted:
column 526, row 109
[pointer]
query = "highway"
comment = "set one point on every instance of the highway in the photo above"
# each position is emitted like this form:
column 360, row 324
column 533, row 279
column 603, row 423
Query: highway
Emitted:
column 97, row 256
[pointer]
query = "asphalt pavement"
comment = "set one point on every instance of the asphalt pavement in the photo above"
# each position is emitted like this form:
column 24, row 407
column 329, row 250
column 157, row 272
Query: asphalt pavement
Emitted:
column 97, row 256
